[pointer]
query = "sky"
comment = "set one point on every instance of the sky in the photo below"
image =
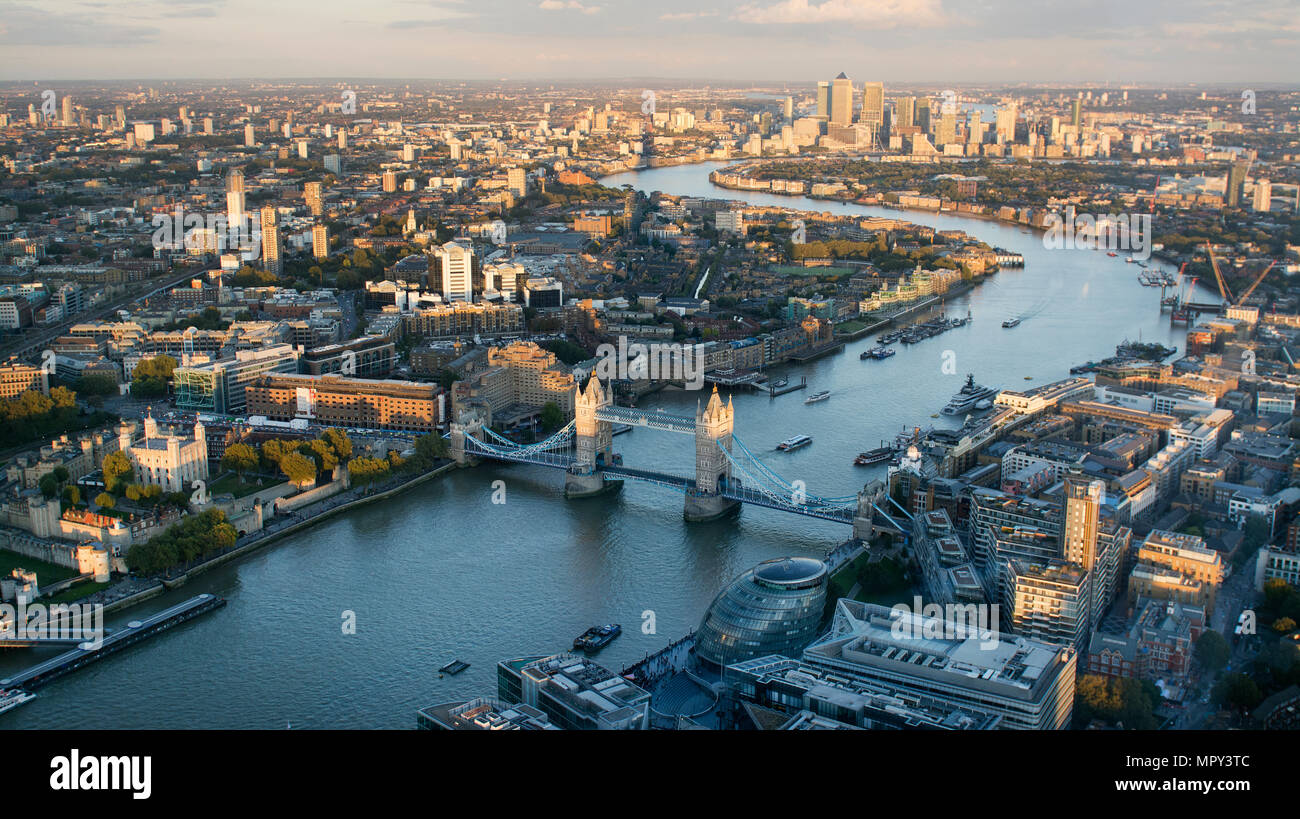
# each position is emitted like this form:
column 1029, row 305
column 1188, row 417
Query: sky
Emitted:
column 916, row 41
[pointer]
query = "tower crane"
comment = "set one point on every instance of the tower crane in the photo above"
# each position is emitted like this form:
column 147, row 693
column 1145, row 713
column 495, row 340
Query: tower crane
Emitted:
column 1218, row 277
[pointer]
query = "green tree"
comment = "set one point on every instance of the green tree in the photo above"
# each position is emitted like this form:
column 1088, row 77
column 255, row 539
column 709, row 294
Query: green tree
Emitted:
column 339, row 440
column 1284, row 625
column 1212, row 651
column 298, row 468
column 1237, row 690
column 49, row 485
column 117, row 470
column 552, row 416
column 151, row 376
column 239, row 458
column 72, row 495
column 106, row 500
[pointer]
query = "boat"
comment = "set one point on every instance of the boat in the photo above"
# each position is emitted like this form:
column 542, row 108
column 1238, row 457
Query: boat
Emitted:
column 1011, row 322
column 877, row 353
column 969, row 395
column 1112, row 255
column 797, row 442
column 779, row 383
column 597, row 637
column 821, row 395
column 874, row 456
column 454, row 667
column 13, row 698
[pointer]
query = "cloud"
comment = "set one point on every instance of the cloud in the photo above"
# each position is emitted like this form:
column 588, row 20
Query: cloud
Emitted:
column 562, row 5
column 877, row 13
column 687, row 15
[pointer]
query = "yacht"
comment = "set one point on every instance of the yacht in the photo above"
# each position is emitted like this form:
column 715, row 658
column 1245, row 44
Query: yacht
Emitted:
column 1011, row 322
column 597, row 637
column 13, row 698
column 797, row 442
column 818, row 396
column 874, row 456
column 970, row 395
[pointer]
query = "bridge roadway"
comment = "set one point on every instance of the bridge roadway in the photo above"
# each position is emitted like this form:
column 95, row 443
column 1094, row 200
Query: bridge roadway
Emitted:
column 651, row 420
column 133, row 632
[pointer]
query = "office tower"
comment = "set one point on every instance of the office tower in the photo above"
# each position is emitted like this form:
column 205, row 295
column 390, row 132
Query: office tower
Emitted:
column 517, row 181
column 1076, row 112
column 873, row 109
column 1263, row 195
column 343, row 139
column 905, row 112
column 824, row 100
column 789, row 109
column 183, row 112
column 235, row 199
column 455, row 266
column 67, row 110
column 320, row 241
column 302, row 149
column 311, row 195
column 120, row 115
column 334, row 164
column 271, row 260
column 946, row 131
column 390, row 181
column 1236, row 183
column 1005, row 123
column 1083, row 498
column 408, row 152
column 974, row 128
column 208, row 125
column 842, row 100
column 250, row 139
column 923, row 115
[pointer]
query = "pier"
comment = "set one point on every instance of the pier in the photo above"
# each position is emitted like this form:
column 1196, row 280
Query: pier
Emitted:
column 134, row 632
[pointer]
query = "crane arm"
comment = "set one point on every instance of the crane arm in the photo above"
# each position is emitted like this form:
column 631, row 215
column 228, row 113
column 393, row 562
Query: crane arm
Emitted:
column 1255, row 283
column 1218, row 277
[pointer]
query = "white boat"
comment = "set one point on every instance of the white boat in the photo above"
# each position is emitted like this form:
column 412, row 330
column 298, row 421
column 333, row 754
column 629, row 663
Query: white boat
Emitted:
column 797, row 442
column 969, row 397
column 817, row 396
column 12, row 699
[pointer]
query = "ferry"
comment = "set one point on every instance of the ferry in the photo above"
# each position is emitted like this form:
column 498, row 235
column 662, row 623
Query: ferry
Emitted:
column 454, row 667
column 797, row 442
column 10, row 700
column 874, row 456
column 1009, row 323
column 970, row 395
column 822, row 395
column 597, row 637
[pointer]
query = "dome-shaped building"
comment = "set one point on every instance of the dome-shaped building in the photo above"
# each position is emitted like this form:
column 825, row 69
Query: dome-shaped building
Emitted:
column 774, row 608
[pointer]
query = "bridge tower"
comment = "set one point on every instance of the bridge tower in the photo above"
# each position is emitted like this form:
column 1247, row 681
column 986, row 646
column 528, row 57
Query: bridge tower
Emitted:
column 467, row 422
column 713, row 426
column 593, row 444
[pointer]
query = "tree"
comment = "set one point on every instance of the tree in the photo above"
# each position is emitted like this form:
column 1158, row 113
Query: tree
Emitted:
column 117, row 470
column 552, row 416
column 1237, row 690
column 239, row 458
column 61, row 474
column 298, row 468
column 1284, row 625
column 72, row 495
column 431, row 448
column 339, row 440
column 49, row 485
column 106, row 500
column 323, row 454
column 1212, row 651
column 151, row 376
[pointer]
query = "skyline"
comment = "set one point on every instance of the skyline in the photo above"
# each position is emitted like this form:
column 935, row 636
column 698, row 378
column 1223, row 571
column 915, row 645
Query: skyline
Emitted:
column 763, row 41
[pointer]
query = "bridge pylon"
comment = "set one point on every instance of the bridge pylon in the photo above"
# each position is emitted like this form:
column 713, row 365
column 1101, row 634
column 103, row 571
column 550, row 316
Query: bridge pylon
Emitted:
column 468, row 422
column 713, row 428
column 593, row 444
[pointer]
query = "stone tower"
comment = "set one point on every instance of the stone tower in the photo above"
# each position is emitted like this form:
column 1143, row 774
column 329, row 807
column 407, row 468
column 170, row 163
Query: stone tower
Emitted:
column 713, row 427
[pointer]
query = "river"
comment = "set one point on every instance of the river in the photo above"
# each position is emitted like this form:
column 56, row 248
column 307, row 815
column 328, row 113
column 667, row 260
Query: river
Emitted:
column 442, row 572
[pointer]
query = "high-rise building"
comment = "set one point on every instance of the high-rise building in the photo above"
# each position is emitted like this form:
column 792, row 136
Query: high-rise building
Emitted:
column 334, row 164
column 788, row 109
column 320, row 241
column 842, row 100
column 250, row 138
column 517, row 181
column 390, row 181
column 1263, row 195
column 311, row 195
column 455, row 267
column 1235, row 184
column 1076, row 112
column 824, row 99
column 1005, row 123
column 235, row 218
column 946, row 131
column 873, row 109
column 343, row 139
column 905, row 112
column 271, row 258
column 67, row 110
column 923, row 115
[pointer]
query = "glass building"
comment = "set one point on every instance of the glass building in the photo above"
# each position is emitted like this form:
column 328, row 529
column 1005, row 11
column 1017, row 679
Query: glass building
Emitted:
column 774, row 608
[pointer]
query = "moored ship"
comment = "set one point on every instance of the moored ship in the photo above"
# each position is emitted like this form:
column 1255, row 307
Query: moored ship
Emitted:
column 970, row 397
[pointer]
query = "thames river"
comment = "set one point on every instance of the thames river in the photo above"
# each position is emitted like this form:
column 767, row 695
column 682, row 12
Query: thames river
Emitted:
column 442, row 572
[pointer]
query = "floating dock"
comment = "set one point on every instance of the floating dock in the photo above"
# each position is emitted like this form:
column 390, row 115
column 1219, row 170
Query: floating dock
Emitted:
column 132, row 633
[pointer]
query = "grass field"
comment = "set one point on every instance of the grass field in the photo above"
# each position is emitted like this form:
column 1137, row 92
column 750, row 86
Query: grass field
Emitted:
column 809, row 272
column 46, row 573
column 236, row 487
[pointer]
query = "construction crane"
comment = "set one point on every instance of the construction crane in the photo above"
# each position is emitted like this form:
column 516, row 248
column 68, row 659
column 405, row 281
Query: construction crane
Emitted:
column 1254, row 284
column 1218, row 277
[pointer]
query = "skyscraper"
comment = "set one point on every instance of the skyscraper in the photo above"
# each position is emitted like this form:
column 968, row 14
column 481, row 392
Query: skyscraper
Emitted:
column 1005, row 123
column 1263, row 195
column 455, row 264
column 923, row 115
column 250, row 138
column 390, row 181
column 946, row 131
column 1235, row 183
column 905, row 112
column 235, row 218
column 271, row 260
column 824, row 99
column 1076, row 112
column 320, row 241
column 311, row 195
column 873, row 109
column 841, row 100
column 788, row 109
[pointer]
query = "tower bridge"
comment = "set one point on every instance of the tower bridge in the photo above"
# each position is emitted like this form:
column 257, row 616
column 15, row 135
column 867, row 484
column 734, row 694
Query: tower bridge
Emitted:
column 727, row 472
